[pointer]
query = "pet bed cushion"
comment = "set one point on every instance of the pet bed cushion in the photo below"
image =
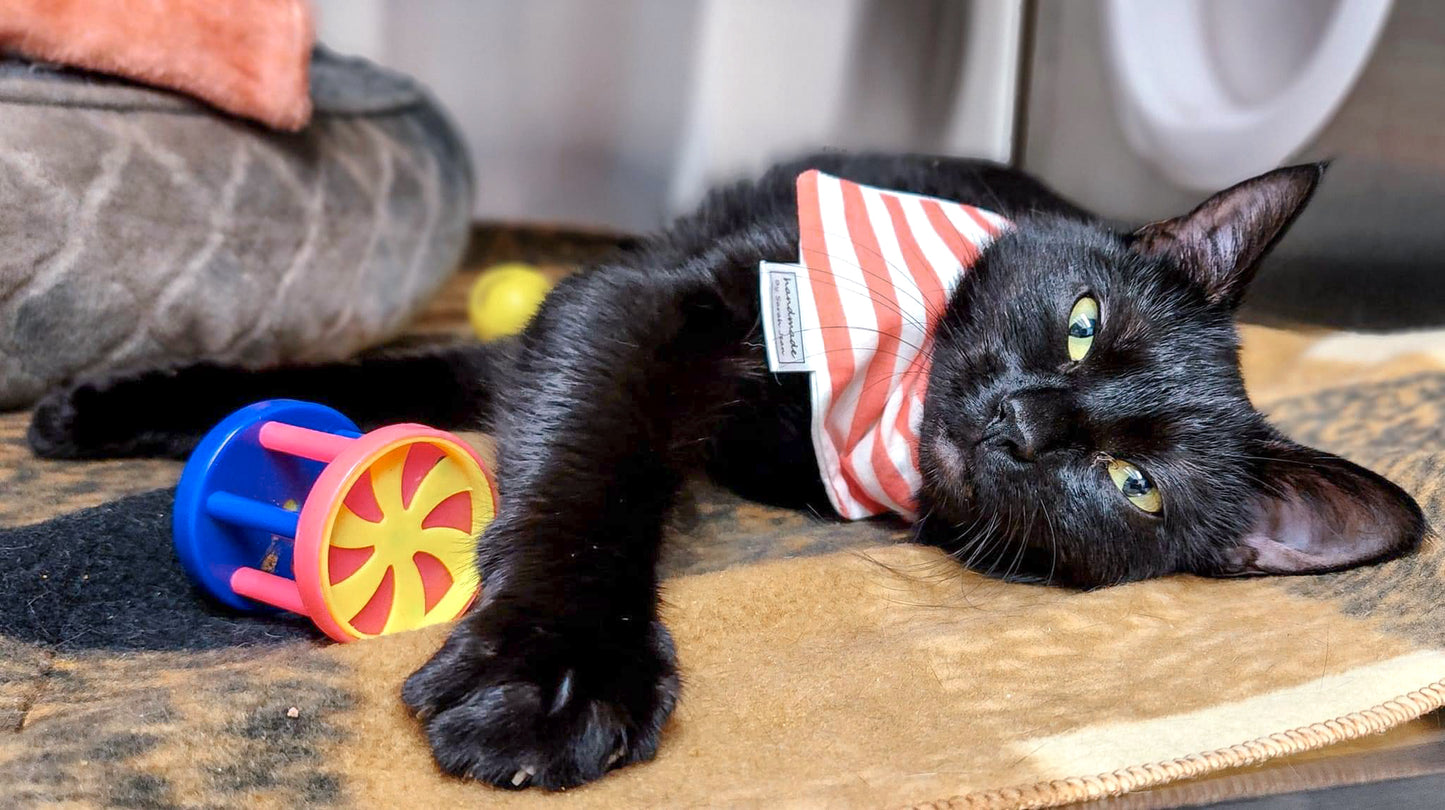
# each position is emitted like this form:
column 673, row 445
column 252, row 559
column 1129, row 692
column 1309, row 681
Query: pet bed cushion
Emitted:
column 138, row 227
column 841, row 676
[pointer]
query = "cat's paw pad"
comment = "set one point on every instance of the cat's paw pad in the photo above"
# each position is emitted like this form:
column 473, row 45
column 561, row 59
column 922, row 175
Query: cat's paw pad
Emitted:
column 555, row 715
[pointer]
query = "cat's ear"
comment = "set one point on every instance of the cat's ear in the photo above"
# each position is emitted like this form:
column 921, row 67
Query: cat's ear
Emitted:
column 1318, row 512
column 1220, row 243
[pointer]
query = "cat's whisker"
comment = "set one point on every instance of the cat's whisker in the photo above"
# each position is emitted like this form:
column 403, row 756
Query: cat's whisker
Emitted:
column 959, row 538
column 1012, row 542
column 1299, row 462
column 981, row 543
column 885, row 380
column 925, row 351
column 1053, row 544
column 914, row 346
column 990, row 539
column 1003, row 537
column 903, row 293
column 908, row 251
column 1021, row 544
column 902, row 271
column 924, row 354
column 929, row 309
column 873, row 296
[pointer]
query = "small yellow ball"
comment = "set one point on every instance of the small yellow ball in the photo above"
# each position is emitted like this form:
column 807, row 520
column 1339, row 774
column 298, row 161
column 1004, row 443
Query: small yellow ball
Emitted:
column 504, row 298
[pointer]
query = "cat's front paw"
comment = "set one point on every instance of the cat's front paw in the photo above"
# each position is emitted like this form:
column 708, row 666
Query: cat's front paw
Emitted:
column 516, row 705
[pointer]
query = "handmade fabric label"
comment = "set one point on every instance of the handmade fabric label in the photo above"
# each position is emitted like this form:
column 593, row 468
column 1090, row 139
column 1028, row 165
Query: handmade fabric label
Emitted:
column 785, row 330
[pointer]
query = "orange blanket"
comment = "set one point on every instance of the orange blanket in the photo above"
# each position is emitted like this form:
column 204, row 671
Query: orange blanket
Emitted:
column 247, row 57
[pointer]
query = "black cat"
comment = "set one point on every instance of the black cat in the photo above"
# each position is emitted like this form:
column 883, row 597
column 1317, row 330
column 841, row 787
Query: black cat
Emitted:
column 1085, row 423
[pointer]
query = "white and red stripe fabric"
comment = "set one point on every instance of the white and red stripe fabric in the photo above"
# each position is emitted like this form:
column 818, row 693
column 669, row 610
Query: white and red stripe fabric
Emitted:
column 875, row 271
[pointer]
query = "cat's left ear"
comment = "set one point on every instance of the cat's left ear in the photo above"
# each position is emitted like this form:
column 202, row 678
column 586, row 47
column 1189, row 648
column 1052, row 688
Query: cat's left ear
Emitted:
column 1317, row 512
column 1220, row 243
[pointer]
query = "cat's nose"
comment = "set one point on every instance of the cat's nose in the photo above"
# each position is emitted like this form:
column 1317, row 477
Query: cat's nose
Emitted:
column 1032, row 421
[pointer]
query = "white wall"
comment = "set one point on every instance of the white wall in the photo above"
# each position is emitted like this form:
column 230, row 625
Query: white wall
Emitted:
column 618, row 113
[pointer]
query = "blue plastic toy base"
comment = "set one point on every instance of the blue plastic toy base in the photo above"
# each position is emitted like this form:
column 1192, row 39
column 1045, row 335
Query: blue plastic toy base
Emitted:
column 231, row 459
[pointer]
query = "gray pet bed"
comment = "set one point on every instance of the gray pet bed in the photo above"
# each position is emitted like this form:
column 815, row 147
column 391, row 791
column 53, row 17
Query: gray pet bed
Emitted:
column 138, row 228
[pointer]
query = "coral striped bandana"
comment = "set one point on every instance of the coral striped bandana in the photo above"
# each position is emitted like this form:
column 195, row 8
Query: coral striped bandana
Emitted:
column 875, row 271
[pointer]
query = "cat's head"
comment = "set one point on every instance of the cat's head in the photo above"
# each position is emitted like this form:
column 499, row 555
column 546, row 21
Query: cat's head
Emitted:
column 1086, row 422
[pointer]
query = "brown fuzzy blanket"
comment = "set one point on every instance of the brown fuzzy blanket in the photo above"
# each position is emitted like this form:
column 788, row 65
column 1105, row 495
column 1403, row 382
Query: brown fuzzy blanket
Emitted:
column 823, row 664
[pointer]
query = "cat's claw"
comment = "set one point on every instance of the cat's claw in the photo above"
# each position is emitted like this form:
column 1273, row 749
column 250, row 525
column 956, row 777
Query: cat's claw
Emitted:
column 546, row 711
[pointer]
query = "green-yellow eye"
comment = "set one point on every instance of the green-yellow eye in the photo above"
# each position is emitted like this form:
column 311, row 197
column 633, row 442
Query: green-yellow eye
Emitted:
column 1135, row 485
column 1083, row 323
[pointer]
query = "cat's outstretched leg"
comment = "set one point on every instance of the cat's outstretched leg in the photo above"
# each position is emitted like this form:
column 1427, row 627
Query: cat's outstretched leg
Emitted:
column 563, row 670
column 165, row 412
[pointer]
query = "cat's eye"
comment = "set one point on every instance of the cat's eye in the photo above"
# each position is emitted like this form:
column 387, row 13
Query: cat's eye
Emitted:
column 1083, row 324
column 1135, row 485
